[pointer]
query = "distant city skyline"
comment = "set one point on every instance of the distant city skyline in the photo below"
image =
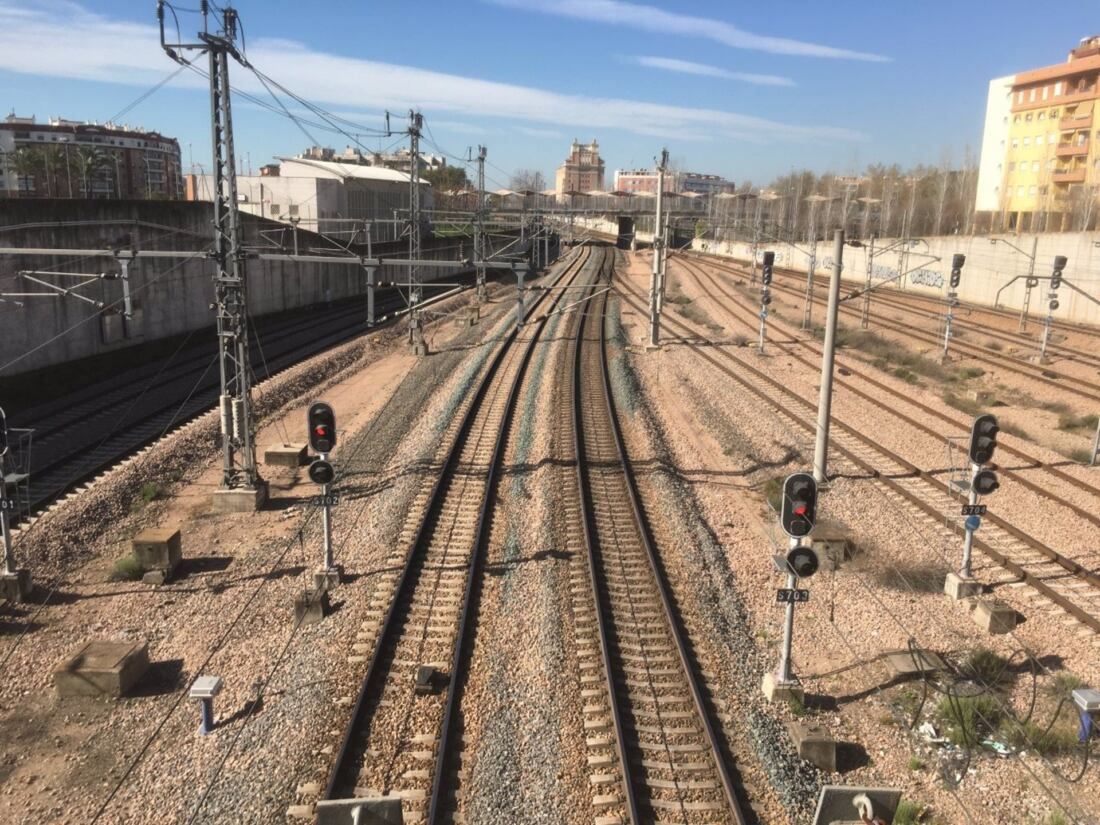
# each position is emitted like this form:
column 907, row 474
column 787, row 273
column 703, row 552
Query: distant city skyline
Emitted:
column 745, row 93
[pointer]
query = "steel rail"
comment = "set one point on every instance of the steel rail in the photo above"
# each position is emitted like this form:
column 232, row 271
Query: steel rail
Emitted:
column 386, row 635
column 911, row 471
column 1009, row 472
column 1062, row 381
column 656, row 569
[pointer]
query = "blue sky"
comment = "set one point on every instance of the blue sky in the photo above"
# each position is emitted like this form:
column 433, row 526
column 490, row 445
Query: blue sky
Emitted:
column 747, row 90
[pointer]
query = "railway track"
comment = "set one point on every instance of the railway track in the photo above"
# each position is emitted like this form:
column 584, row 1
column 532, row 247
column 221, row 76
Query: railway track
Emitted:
column 653, row 741
column 89, row 430
column 402, row 738
column 1044, row 375
column 746, row 315
column 1057, row 578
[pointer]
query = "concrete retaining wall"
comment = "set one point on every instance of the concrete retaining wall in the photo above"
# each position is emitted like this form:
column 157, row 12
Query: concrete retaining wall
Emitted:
column 989, row 267
column 171, row 296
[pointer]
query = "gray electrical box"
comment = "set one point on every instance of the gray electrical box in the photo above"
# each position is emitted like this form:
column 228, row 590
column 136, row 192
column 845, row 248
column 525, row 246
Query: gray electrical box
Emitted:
column 1087, row 699
column 842, row 804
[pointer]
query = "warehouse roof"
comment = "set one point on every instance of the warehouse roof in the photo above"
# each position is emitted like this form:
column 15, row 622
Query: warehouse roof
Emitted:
column 353, row 170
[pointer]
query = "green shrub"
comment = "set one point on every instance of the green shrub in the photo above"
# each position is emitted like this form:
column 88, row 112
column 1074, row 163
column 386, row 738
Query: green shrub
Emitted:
column 986, row 668
column 1061, row 738
column 1063, row 684
column 773, row 492
column 1068, row 421
column 908, row 813
column 969, row 719
column 128, row 569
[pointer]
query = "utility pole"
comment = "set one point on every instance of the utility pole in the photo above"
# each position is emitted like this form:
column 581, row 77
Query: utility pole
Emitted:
column 658, row 257
column 416, row 331
column 865, row 314
column 240, row 477
column 828, row 354
column 479, row 226
column 1029, row 283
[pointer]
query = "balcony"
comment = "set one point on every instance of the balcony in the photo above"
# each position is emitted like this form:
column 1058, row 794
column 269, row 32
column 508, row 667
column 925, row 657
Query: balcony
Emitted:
column 1069, row 175
column 1076, row 122
column 1071, row 150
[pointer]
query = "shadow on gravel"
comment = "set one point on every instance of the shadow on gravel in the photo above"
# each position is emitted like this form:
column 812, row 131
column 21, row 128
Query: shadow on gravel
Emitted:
column 541, row 555
column 851, row 756
column 198, row 565
column 160, row 679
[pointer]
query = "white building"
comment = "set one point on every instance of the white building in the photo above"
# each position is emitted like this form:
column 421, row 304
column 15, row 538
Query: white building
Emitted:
column 324, row 196
column 991, row 171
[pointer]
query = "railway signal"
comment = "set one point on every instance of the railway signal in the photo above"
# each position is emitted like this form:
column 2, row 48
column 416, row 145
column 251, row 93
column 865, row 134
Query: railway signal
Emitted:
column 765, row 296
column 1060, row 262
column 983, row 439
column 983, row 482
column 322, row 427
column 321, row 422
column 799, row 505
column 957, row 261
column 796, row 516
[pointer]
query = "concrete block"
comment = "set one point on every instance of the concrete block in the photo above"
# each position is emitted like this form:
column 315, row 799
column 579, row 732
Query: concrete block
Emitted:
column 158, row 549
column 994, row 616
column 155, row 577
column 310, row 606
column 16, row 586
column 383, row 810
column 831, row 543
column 958, row 588
column 775, row 691
column 814, row 744
column 286, row 455
column 240, row 499
column 905, row 663
column 102, row 669
column 326, row 580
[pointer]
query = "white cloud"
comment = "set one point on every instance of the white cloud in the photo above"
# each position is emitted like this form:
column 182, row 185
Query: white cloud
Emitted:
column 671, row 64
column 650, row 18
column 80, row 45
column 532, row 131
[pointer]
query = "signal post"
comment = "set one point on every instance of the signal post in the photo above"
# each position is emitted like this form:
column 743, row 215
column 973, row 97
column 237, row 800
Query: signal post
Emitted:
column 322, row 438
column 797, row 516
column 983, row 481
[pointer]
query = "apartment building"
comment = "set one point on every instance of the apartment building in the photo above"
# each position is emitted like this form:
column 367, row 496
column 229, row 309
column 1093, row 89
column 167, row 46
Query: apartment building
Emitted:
column 1040, row 166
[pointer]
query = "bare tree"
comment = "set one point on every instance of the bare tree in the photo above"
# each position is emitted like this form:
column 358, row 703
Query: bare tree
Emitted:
column 527, row 179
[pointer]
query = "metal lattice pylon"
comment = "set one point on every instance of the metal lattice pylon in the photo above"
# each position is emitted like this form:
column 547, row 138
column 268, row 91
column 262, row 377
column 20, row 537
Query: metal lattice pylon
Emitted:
column 238, row 436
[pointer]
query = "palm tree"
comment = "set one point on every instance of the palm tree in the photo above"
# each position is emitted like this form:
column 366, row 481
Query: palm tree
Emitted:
column 25, row 162
column 89, row 161
column 50, row 163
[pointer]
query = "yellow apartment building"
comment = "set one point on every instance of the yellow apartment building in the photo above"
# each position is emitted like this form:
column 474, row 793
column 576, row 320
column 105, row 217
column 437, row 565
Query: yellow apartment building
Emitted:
column 1040, row 167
